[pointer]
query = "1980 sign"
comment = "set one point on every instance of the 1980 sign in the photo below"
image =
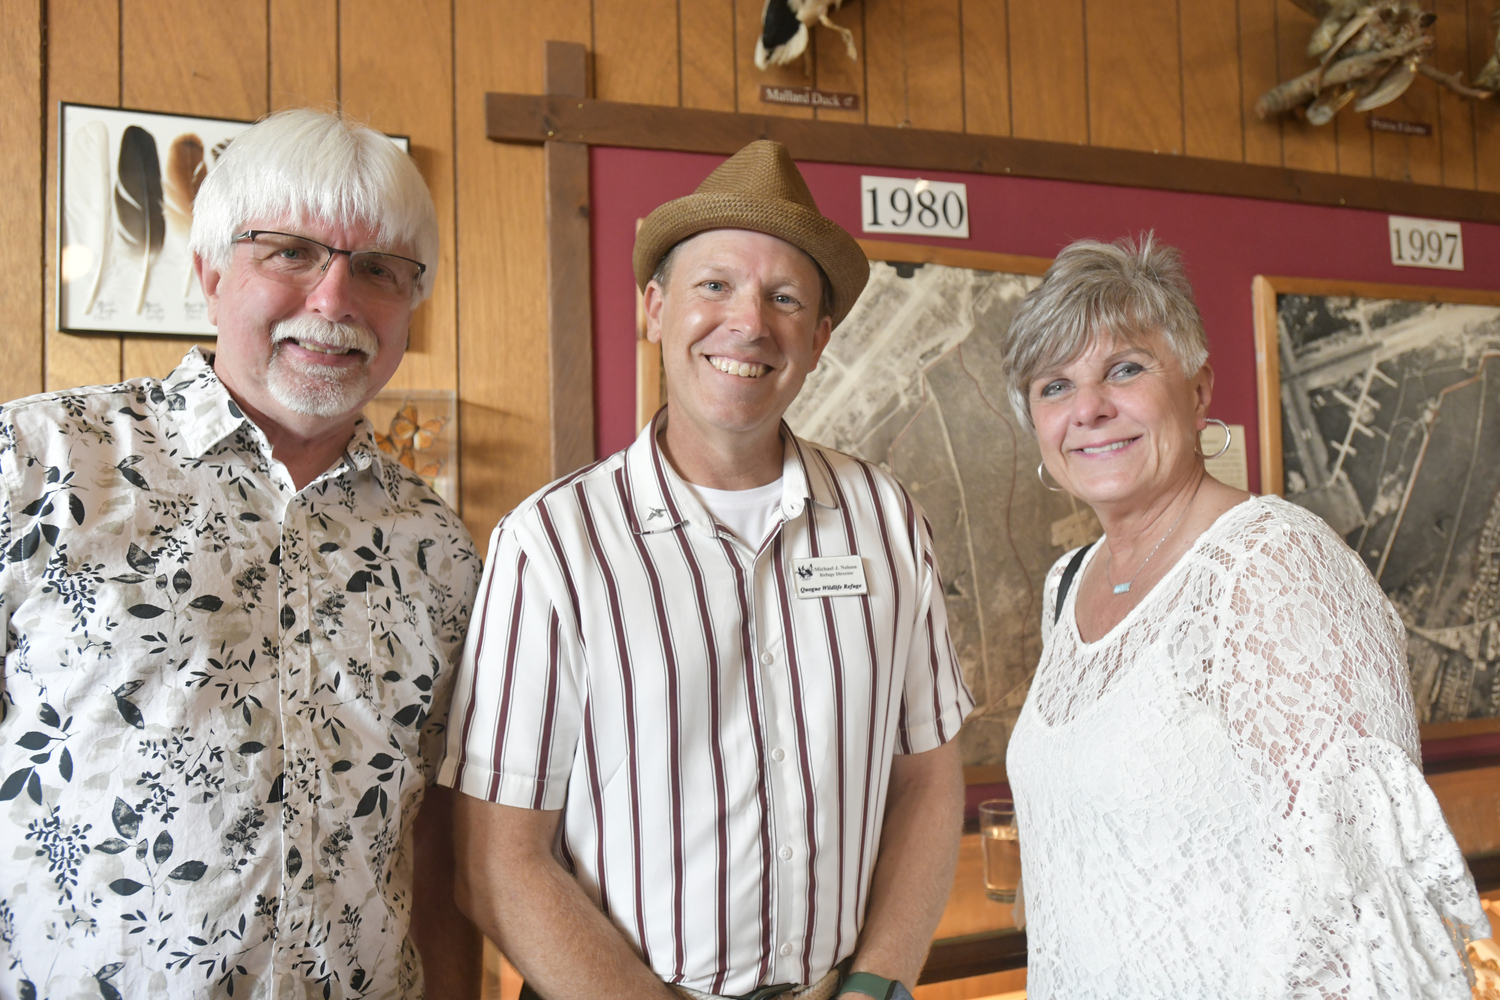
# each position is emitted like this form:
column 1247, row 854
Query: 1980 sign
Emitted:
column 914, row 206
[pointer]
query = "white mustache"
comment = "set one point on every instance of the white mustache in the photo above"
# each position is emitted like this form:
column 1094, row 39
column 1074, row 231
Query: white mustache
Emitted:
column 321, row 331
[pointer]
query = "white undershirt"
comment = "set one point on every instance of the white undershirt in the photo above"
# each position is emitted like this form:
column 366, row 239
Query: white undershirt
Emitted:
column 750, row 513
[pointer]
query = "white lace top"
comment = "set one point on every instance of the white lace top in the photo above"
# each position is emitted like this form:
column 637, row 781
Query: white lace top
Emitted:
column 1222, row 797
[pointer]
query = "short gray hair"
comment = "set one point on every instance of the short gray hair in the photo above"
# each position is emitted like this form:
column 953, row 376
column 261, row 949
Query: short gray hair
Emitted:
column 663, row 274
column 303, row 165
column 1130, row 288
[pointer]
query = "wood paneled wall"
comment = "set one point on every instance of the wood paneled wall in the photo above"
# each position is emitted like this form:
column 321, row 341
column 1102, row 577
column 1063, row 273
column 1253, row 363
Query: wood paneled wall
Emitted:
column 1148, row 74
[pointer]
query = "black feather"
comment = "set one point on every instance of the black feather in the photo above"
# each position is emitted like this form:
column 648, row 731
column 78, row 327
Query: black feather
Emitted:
column 778, row 24
column 142, row 225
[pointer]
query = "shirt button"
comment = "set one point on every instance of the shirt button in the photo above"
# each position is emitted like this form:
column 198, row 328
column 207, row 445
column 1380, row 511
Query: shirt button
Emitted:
column 778, row 754
column 786, row 855
column 768, row 658
column 785, row 950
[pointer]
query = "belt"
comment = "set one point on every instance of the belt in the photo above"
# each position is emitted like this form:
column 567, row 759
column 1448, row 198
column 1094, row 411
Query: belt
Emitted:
column 823, row 989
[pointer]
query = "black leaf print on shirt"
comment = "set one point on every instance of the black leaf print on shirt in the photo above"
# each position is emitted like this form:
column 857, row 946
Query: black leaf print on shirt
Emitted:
column 139, row 560
column 131, row 476
column 188, row 871
column 127, row 821
column 129, row 710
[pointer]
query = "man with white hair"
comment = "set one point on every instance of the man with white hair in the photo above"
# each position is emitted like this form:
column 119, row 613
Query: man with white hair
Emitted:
column 231, row 622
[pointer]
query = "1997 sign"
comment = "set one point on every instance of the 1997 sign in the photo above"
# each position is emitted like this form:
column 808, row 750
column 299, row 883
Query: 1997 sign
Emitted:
column 914, row 206
column 1426, row 243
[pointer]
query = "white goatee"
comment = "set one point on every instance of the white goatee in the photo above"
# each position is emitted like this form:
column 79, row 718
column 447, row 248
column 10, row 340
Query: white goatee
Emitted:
column 316, row 390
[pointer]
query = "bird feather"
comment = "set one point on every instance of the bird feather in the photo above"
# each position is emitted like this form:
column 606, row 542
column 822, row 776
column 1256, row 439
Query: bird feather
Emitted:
column 139, row 218
column 185, row 173
column 783, row 36
column 86, row 208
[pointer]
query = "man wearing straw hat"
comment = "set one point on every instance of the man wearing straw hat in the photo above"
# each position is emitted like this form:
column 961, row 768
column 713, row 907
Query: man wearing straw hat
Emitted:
column 704, row 723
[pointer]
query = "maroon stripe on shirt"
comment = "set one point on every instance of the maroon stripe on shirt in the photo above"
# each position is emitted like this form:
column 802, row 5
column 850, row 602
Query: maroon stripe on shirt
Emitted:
column 716, row 754
column 830, row 629
column 512, row 647
column 804, row 753
column 674, row 733
column 627, row 692
column 550, row 713
column 560, row 557
column 758, row 731
column 872, row 816
column 467, row 730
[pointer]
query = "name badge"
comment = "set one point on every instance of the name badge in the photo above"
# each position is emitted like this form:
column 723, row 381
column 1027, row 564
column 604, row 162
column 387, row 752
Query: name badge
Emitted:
column 829, row 576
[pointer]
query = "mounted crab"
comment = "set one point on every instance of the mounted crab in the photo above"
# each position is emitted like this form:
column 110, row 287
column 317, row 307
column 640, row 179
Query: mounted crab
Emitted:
column 1368, row 53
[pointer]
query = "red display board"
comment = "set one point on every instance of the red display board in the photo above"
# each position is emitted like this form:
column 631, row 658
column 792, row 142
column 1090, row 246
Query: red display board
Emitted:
column 1225, row 242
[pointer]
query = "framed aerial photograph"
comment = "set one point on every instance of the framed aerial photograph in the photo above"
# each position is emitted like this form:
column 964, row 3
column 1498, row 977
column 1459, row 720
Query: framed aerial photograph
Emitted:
column 126, row 185
column 1380, row 412
column 913, row 381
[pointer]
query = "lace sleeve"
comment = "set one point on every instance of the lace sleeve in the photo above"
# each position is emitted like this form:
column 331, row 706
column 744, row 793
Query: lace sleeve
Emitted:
column 1363, row 888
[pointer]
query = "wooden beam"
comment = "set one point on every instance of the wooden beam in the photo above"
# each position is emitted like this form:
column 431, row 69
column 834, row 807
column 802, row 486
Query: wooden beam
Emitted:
column 570, row 320
column 529, row 118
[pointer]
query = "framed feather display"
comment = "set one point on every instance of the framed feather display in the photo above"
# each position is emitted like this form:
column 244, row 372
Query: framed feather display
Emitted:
column 127, row 181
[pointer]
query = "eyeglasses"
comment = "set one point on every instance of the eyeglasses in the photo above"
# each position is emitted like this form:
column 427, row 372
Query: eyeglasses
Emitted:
column 297, row 260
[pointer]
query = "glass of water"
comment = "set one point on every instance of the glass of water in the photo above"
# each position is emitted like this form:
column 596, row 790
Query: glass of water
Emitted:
column 1002, row 849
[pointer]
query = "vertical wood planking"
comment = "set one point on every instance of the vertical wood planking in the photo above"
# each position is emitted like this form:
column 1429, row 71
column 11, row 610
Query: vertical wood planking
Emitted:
column 1258, row 69
column 915, row 73
column 1486, row 119
column 502, row 307
column 83, row 65
column 187, row 58
column 794, row 74
column 1303, row 146
column 1415, row 158
column 1455, row 114
column 986, row 46
column 1212, row 109
column 304, row 53
column 834, row 70
column 21, row 210
column 635, row 51
column 1048, row 75
column 1355, row 148
column 885, row 65
column 1135, row 76
column 396, row 89
column 708, row 53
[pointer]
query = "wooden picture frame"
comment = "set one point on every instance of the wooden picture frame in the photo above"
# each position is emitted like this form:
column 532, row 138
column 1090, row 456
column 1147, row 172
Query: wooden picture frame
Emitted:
column 1273, row 351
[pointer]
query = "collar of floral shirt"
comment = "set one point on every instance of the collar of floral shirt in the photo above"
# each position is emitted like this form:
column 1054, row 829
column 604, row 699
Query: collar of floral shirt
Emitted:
column 662, row 502
column 208, row 415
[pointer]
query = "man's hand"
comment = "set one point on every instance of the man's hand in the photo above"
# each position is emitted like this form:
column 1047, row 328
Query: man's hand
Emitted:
column 451, row 949
column 510, row 884
column 924, row 819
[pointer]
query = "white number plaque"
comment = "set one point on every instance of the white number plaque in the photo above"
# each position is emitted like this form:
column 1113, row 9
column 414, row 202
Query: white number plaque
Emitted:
column 914, row 207
column 1426, row 243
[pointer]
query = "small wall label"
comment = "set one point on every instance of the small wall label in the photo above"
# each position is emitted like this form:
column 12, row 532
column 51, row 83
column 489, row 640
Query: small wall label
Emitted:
column 809, row 97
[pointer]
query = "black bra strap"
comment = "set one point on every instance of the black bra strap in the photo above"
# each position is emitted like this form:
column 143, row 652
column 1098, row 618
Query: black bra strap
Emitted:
column 1070, row 571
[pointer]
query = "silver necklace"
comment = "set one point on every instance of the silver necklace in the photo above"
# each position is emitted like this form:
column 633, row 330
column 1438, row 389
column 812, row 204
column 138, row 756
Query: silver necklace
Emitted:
column 1124, row 588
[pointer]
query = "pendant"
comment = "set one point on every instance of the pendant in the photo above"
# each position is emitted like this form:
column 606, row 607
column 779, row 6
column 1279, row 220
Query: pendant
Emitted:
column 1121, row 588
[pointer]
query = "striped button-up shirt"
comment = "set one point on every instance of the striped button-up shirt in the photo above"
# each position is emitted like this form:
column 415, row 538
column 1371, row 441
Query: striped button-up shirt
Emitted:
column 720, row 747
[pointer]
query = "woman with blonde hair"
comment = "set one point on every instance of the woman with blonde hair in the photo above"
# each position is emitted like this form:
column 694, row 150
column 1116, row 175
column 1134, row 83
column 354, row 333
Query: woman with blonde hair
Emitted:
column 1217, row 772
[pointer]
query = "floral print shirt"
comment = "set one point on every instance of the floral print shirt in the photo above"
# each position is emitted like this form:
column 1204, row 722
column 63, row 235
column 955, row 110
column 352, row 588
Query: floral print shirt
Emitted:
column 222, row 700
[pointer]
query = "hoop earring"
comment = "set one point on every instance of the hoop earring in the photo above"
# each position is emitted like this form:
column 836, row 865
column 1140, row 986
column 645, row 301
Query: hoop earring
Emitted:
column 1041, row 473
column 1228, row 436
